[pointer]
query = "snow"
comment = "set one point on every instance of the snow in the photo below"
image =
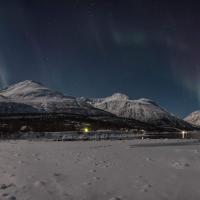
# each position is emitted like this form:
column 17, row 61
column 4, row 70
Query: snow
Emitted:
column 101, row 170
column 194, row 118
column 41, row 99
column 144, row 110
column 30, row 90
column 2, row 98
column 30, row 96
column 12, row 107
column 117, row 96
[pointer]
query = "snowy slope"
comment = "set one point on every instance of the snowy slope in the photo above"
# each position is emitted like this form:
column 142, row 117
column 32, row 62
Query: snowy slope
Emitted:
column 30, row 90
column 38, row 98
column 32, row 97
column 194, row 118
column 3, row 99
column 42, row 99
column 13, row 107
column 144, row 110
column 8, row 106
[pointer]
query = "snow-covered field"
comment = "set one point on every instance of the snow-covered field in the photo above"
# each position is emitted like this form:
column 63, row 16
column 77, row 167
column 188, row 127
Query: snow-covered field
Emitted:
column 100, row 170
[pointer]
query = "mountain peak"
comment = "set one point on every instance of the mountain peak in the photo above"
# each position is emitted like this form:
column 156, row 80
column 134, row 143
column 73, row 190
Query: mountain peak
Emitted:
column 29, row 90
column 142, row 109
column 30, row 82
column 26, row 83
column 118, row 96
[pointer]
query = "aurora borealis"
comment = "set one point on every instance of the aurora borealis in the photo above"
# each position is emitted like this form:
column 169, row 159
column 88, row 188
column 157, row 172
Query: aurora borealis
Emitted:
column 95, row 48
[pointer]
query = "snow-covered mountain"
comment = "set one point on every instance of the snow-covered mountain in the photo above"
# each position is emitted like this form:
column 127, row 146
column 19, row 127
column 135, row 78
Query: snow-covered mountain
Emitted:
column 41, row 99
column 194, row 118
column 29, row 90
column 32, row 97
column 144, row 110
column 49, row 110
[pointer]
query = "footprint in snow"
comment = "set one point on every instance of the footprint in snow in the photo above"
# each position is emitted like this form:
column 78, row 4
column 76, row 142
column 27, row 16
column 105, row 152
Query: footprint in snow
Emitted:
column 142, row 184
column 39, row 183
column 93, row 170
column 87, row 183
column 21, row 162
column 60, row 178
column 5, row 186
column 11, row 197
column 195, row 151
column 12, row 175
column 17, row 154
column 146, row 187
column 5, row 195
column 115, row 198
column 180, row 165
column 96, row 178
column 57, row 174
column 149, row 159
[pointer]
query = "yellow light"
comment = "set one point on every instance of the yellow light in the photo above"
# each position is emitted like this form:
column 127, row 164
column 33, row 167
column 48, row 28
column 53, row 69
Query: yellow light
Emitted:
column 86, row 130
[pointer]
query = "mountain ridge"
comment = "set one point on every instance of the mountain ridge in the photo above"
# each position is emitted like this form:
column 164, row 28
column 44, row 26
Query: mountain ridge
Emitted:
column 43, row 99
column 31, row 96
column 142, row 109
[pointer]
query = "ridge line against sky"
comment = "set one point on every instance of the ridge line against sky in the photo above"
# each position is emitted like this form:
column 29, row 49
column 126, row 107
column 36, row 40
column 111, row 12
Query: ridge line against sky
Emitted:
column 96, row 48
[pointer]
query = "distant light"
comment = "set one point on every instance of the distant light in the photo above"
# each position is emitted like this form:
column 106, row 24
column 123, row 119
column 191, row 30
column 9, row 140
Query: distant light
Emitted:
column 85, row 130
column 183, row 134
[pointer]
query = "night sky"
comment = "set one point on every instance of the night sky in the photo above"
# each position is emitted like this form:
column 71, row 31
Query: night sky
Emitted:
column 95, row 48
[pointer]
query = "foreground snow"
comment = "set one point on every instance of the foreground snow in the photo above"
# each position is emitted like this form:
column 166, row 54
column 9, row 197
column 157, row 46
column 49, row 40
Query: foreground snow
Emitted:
column 136, row 169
